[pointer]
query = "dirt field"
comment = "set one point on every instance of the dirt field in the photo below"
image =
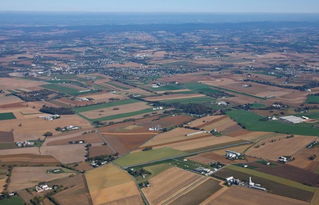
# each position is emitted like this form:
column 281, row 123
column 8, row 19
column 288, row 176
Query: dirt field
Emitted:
column 95, row 114
column 173, row 97
column 91, row 138
column 34, row 128
column 65, row 153
column 111, row 185
column 103, row 97
column 302, row 159
column 95, row 151
column 6, row 137
column 7, row 100
column 27, row 159
column 163, row 191
column 175, row 135
column 25, row 177
column 281, row 147
column 205, row 120
column 15, row 83
column 245, row 196
column 76, row 193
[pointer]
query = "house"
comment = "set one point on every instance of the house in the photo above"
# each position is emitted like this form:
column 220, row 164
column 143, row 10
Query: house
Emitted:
column 42, row 187
column 231, row 155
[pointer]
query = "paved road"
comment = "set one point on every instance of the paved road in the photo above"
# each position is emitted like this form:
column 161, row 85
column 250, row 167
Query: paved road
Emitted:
column 189, row 154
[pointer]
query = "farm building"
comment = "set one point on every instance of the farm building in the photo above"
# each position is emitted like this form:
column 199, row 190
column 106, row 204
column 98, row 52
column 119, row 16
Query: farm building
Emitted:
column 293, row 119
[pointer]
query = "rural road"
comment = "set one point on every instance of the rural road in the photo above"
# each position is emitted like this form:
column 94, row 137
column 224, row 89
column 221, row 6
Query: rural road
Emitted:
column 188, row 154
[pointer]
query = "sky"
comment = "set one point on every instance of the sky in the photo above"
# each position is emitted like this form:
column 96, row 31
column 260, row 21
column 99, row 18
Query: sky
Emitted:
column 196, row 6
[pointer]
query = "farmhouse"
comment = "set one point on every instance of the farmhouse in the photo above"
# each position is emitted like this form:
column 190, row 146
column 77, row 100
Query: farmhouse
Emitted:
column 293, row 119
column 231, row 155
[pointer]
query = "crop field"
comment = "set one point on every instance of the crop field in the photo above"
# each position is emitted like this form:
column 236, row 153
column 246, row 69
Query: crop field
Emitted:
column 312, row 99
column 95, row 151
column 174, row 97
column 274, row 147
column 111, row 185
column 6, row 137
column 7, row 116
column 76, row 192
column 245, row 196
column 104, row 105
column 34, row 127
column 254, row 122
column 15, row 200
column 28, row 159
column 194, row 100
column 9, row 100
column 137, row 158
column 65, row 139
column 274, row 185
column 104, row 97
column 121, row 110
column 164, row 191
column 288, row 172
column 65, row 153
column 74, row 91
column 175, row 135
column 25, row 177
column 302, row 159
column 16, row 83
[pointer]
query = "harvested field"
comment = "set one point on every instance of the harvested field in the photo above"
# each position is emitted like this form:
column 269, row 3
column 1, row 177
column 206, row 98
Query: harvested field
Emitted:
column 289, row 172
column 199, row 193
column 25, row 177
column 95, row 151
column 28, row 159
column 302, row 159
column 163, row 191
column 65, row 153
column 34, row 128
column 201, row 122
column 103, row 97
column 173, row 97
column 174, row 136
column 6, row 137
column 274, row 147
column 199, row 143
column 244, row 196
column 116, row 110
column 272, row 186
column 7, row 100
column 76, row 193
column 91, row 138
column 124, row 143
column 111, row 185
column 16, row 83
column 26, row 150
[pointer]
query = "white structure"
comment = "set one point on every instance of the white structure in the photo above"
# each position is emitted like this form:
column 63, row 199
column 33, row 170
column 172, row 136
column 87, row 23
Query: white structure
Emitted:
column 42, row 187
column 253, row 185
column 196, row 133
column 293, row 119
column 231, row 155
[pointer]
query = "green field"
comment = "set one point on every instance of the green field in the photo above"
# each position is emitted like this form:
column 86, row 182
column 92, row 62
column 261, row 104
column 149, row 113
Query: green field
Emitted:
column 191, row 100
column 257, row 106
column 7, row 116
column 15, row 200
column 104, row 105
column 312, row 99
column 157, row 168
column 254, row 122
column 123, row 115
column 141, row 157
column 277, row 179
column 311, row 115
column 169, row 87
column 66, row 90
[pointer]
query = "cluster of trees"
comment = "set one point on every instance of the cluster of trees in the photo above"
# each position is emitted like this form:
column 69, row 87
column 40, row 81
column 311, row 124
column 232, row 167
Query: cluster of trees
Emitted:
column 309, row 85
column 35, row 95
column 57, row 110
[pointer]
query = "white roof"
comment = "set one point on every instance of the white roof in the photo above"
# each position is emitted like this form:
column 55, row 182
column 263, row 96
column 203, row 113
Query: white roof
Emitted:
column 293, row 119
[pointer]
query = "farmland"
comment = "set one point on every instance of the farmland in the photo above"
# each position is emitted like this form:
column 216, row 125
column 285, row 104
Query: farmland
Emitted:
column 109, row 184
column 254, row 122
column 172, row 191
column 141, row 157
column 7, row 116
column 104, row 105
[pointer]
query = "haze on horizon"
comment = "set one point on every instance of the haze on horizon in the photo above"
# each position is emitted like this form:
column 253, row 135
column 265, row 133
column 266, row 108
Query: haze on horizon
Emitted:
column 197, row 6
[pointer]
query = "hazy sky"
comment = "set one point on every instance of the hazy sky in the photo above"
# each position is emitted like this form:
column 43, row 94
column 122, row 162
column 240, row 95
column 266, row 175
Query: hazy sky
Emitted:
column 277, row 6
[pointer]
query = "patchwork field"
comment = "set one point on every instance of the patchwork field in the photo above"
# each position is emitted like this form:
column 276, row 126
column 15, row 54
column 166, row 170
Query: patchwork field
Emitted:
column 17, row 83
column 34, row 128
column 245, row 196
column 173, row 97
column 273, row 147
column 28, row 159
column 137, row 158
column 65, row 153
column 116, row 110
column 76, row 191
column 111, row 185
column 25, row 177
column 182, row 187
